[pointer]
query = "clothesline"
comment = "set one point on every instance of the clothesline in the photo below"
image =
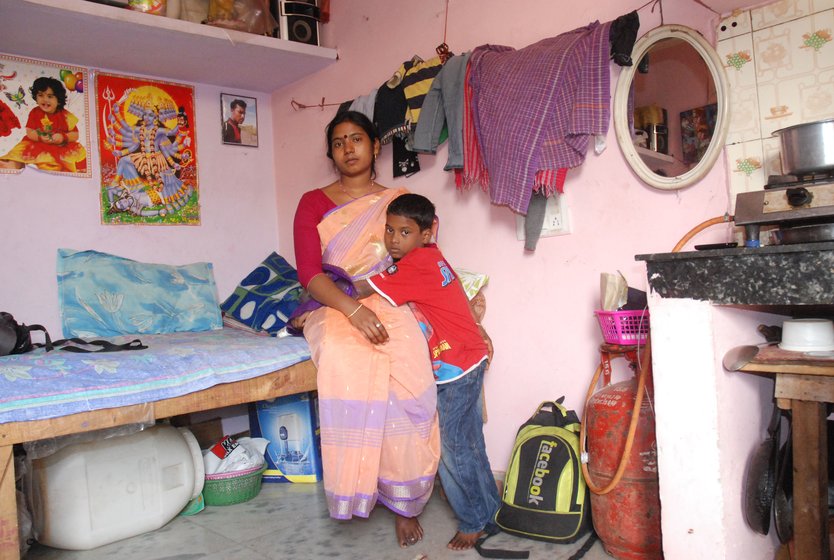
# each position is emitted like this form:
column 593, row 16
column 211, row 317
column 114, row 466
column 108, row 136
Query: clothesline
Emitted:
column 297, row 106
column 442, row 52
column 660, row 3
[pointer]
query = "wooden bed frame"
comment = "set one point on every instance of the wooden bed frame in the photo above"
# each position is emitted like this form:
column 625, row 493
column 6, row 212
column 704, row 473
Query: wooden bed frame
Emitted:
column 297, row 378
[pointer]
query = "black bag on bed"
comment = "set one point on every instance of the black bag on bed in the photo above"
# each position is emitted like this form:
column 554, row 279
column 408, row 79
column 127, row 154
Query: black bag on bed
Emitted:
column 16, row 338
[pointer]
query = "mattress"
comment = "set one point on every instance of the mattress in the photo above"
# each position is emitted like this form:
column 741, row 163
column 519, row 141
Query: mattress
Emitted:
column 40, row 385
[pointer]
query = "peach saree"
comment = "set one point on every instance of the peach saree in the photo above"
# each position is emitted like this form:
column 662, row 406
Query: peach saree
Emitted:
column 377, row 403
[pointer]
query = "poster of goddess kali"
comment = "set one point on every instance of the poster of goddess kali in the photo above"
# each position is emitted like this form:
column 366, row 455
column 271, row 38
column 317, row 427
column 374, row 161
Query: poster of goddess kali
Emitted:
column 148, row 149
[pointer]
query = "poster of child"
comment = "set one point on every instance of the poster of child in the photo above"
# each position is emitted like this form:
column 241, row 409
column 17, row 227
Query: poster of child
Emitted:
column 43, row 117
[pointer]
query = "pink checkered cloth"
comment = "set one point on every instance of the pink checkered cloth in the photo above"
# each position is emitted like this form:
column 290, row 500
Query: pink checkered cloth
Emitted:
column 536, row 109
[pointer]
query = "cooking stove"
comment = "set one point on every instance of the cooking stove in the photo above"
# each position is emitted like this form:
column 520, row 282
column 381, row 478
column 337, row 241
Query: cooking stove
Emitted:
column 802, row 207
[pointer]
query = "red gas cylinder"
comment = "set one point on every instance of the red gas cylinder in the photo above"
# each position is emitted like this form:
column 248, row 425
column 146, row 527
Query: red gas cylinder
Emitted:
column 627, row 519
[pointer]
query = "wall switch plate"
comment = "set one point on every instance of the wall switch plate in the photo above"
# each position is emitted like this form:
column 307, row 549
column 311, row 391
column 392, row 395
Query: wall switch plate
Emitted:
column 556, row 219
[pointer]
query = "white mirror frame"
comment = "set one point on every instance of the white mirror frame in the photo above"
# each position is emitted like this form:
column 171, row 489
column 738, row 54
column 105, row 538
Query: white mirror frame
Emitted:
column 621, row 120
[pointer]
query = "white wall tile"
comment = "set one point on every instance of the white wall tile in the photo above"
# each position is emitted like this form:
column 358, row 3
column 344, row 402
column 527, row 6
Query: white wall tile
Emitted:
column 795, row 69
column 791, row 56
column 820, row 5
column 744, row 115
column 771, row 150
column 737, row 56
column 745, row 167
column 779, row 12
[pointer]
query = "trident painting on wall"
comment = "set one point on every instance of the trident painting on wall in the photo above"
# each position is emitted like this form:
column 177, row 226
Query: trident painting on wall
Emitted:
column 148, row 149
column 44, row 122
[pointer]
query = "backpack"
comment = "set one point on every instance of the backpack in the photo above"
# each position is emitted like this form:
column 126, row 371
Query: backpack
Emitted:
column 545, row 495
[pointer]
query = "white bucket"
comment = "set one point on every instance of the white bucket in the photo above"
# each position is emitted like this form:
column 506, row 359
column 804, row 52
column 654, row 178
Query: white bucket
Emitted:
column 90, row 494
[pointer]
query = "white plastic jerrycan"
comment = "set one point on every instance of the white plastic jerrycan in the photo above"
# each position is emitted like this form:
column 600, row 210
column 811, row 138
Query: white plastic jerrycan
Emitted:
column 91, row 494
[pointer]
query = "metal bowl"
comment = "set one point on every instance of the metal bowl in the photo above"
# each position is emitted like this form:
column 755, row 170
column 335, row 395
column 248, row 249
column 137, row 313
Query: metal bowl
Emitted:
column 807, row 148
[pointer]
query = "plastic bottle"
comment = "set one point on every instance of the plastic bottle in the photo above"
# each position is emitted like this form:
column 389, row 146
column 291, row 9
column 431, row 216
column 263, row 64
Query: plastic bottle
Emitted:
column 91, row 494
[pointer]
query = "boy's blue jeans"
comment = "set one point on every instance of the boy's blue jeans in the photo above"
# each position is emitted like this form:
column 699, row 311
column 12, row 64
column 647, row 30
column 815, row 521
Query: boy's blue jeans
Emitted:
column 464, row 467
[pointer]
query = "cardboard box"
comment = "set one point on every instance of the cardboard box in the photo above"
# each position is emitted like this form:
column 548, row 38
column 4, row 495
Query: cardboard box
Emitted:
column 292, row 427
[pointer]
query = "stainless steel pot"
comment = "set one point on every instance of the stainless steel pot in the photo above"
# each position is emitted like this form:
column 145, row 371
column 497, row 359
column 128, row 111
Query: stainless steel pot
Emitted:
column 807, row 148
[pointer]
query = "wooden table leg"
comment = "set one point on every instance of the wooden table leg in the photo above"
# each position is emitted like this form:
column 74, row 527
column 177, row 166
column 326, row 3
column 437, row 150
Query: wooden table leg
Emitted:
column 9, row 547
column 810, row 480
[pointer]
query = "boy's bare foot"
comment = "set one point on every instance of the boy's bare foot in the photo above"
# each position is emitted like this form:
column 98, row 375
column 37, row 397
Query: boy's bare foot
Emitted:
column 409, row 531
column 464, row 541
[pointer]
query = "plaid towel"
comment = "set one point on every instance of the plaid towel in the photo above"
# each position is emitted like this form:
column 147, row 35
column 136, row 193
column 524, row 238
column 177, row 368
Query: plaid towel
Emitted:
column 536, row 108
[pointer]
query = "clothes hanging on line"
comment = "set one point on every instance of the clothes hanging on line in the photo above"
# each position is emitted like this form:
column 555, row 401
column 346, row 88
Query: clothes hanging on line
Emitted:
column 537, row 108
column 622, row 36
column 443, row 109
column 365, row 104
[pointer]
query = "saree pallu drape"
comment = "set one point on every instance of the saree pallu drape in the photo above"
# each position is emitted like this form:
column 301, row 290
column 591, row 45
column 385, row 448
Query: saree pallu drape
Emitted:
column 377, row 403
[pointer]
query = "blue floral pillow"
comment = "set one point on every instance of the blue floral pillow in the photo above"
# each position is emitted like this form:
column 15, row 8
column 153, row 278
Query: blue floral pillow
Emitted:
column 266, row 297
column 105, row 295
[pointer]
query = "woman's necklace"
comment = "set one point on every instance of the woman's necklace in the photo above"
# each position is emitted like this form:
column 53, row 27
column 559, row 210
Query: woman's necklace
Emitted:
column 370, row 188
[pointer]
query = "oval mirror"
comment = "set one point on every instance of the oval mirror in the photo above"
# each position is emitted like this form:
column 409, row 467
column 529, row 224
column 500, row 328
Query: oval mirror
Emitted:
column 671, row 109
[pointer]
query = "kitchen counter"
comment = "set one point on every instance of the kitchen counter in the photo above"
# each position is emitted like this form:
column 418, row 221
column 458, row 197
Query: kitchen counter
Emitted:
column 768, row 278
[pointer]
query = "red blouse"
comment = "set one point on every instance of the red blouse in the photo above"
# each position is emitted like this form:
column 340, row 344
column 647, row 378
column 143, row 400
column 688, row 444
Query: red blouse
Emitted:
column 310, row 211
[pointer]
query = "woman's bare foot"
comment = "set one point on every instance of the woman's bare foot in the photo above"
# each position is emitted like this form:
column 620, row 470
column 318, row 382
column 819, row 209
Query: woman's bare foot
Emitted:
column 464, row 541
column 409, row 531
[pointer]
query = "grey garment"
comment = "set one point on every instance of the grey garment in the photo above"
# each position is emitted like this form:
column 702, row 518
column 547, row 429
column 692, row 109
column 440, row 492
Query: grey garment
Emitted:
column 365, row 104
column 534, row 220
column 443, row 104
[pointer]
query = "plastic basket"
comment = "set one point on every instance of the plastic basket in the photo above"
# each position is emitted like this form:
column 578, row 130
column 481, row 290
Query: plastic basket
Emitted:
column 225, row 489
column 624, row 327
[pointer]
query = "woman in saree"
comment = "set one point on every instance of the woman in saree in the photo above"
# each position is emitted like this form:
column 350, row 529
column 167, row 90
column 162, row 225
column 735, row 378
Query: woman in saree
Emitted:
column 377, row 400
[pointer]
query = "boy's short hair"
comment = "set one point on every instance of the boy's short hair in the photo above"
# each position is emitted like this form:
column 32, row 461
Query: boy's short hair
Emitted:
column 413, row 206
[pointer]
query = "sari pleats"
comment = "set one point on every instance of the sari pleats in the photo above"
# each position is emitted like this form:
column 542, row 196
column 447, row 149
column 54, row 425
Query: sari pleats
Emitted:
column 377, row 403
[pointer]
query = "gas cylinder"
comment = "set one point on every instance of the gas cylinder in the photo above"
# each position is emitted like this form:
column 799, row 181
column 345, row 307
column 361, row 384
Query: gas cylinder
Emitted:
column 627, row 519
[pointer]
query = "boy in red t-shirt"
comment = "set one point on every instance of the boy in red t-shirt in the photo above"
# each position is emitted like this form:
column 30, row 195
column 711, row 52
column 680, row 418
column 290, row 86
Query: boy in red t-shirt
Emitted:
column 460, row 352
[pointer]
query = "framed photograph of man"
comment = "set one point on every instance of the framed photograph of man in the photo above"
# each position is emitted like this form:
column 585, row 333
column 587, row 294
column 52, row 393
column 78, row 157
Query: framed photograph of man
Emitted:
column 239, row 120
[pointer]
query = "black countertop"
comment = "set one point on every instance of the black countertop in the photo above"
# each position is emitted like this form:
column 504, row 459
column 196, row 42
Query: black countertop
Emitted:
column 769, row 278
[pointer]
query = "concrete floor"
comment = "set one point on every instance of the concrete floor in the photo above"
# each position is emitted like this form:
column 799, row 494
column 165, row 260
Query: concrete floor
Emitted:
column 290, row 521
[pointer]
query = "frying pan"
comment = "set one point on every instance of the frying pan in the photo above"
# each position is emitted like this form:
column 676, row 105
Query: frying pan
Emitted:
column 783, row 495
column 760, row 484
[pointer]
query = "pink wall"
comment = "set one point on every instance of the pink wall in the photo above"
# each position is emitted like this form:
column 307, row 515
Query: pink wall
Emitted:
column 540, row 305
column 42, row 212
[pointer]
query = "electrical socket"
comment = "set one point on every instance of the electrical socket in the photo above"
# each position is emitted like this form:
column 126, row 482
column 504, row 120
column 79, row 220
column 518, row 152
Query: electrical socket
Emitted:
column 556, row 219
column 738, row 23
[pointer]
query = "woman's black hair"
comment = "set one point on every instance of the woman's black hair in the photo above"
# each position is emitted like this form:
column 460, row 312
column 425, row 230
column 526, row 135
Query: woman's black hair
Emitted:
column 360, row 120
column 43, row 83
column 415, row 207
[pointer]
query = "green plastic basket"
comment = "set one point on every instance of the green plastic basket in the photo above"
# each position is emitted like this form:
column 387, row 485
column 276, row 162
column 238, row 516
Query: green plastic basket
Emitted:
column 232, row 488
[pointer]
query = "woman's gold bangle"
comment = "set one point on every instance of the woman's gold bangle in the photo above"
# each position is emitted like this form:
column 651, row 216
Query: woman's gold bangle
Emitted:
column 355, row 310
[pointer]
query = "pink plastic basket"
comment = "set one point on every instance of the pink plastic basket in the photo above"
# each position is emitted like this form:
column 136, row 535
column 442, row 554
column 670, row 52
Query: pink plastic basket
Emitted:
column 624, row 327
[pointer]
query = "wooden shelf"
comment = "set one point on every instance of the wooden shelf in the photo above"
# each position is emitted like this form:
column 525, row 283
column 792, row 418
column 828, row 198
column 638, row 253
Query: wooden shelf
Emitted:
column 650, row 156
column 126, row 41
